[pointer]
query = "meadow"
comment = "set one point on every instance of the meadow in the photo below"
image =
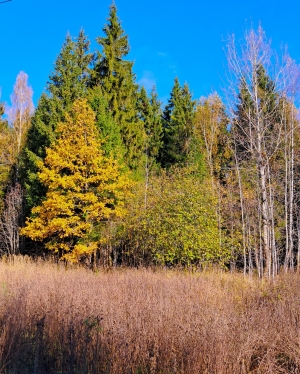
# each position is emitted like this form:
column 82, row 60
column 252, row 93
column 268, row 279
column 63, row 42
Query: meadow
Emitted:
column 55, row 319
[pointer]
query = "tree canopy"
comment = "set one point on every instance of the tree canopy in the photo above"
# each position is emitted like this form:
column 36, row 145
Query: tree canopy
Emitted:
column 84, row 188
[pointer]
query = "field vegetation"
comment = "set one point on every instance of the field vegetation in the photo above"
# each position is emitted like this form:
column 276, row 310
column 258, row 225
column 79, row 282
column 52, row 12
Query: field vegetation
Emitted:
column 57, row 319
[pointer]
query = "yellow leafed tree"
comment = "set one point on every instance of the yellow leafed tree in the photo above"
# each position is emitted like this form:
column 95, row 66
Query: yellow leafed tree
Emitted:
column 85, row 188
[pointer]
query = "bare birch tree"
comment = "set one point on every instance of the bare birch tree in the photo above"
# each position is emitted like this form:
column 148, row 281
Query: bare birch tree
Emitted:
column 257, row 84
column 20, row 113
column 10, row 221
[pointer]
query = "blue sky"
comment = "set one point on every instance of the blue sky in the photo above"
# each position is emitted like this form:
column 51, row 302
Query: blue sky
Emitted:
column 167, row 38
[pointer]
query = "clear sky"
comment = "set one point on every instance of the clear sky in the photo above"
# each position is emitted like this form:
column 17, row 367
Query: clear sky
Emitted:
column 167, row 38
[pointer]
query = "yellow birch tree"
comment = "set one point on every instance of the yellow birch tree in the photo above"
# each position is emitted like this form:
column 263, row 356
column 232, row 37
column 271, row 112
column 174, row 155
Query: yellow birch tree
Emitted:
column 85, row 188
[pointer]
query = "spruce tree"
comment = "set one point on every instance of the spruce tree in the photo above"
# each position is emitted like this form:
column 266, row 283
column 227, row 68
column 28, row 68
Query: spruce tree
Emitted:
column 178, row 127
column 67, row 82
column 115, row 77
column 109, row 130
column 151, row 115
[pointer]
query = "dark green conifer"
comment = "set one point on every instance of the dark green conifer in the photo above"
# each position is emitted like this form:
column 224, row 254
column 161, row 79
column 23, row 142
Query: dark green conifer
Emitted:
column 151, row 115
column 109, row 130
column 178, row 125
column 67, row 82
column 115, row 77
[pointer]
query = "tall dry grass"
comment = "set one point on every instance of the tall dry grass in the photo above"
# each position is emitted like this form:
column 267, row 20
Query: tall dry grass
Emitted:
column 57, row 320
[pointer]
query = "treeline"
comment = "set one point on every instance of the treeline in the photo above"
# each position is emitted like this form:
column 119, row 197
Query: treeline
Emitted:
column 102, row 173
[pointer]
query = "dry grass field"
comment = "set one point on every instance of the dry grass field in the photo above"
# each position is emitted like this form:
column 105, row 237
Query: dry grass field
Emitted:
column 58, row 320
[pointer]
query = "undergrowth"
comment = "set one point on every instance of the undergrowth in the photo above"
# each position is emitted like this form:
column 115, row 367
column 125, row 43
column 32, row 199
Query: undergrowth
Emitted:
column 57, row 320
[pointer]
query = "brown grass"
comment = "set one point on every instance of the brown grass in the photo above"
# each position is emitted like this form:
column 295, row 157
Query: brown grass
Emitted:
column 57, row 320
